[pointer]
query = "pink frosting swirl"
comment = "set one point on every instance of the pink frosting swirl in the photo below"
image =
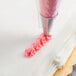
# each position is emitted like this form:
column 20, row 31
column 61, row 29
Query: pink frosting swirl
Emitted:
column 36, row 46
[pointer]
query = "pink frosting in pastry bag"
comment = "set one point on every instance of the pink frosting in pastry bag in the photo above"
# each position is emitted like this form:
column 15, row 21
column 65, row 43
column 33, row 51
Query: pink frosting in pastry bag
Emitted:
column 48, row 8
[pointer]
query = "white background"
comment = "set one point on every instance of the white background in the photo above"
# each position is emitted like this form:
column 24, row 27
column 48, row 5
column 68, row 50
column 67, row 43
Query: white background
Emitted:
column 19, row 26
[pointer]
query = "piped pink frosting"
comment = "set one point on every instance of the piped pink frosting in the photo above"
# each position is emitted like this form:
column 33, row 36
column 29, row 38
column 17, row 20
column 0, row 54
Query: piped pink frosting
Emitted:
column 36, row 46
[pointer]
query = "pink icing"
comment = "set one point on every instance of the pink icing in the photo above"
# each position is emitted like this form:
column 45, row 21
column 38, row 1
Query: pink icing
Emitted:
column 36, row 46
column 49, row 8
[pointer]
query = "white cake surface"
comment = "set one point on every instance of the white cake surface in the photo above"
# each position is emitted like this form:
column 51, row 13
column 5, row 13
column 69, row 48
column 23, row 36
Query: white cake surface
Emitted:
column 20, row 26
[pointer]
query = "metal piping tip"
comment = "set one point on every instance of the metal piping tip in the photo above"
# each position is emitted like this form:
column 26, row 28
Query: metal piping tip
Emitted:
column 46, row 24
